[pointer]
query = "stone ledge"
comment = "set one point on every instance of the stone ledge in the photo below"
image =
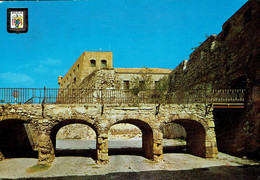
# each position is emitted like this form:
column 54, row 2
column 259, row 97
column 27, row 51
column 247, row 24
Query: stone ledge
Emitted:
column 133, row 108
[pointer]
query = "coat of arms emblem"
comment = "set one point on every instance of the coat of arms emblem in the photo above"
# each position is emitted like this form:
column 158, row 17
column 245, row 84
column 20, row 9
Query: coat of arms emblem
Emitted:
column 17, row 19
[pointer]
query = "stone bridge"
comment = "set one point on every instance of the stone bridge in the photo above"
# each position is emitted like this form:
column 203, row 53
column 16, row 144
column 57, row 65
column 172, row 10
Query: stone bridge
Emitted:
column 43, row 121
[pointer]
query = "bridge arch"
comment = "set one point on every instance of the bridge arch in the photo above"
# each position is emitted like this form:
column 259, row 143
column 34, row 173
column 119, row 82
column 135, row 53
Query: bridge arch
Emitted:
column 147, row 135
column 55, row 128
column 18, row 137
column 195, row 136
column 15, row 117
column 47, row 137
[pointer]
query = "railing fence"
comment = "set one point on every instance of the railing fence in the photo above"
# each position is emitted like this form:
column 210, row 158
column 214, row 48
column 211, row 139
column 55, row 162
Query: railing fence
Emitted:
column 110, row 96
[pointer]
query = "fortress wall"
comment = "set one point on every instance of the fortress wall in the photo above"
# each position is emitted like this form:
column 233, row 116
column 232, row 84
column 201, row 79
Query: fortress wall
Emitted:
column 230, row 60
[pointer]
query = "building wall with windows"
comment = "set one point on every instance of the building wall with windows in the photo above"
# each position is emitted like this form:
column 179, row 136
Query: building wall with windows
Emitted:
column 87, row 63
column 127, row 75
column 94, row 70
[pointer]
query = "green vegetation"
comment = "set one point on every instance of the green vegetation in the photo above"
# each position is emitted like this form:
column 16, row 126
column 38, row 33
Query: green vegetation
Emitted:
column 141, row 82
column 143, row 86
column 37, row 168
column 206, row 36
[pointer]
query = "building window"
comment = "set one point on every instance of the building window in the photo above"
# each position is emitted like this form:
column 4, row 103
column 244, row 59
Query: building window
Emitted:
column 74, row 80
column 78, row 68
column 93, row 63
column 103, row 63
column 126, row 85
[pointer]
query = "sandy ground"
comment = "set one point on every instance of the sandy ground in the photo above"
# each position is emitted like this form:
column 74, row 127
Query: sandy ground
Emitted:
column 173, row 166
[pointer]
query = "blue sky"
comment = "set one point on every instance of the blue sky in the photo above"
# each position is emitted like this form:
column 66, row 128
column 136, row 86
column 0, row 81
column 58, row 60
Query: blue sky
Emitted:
column 147, row 33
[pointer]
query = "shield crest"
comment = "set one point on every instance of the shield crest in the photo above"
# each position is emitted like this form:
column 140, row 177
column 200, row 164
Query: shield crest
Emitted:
column 17, row 19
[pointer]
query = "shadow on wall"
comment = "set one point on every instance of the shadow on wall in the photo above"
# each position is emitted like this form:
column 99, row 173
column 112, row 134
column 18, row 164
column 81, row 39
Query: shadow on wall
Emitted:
column 227, row 128
column 195, row 136
column 14, row 141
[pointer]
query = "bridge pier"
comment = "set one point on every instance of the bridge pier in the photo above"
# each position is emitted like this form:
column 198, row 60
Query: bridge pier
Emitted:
column 102, row 149
column 211, row 144
column 46, row 152
column 201, row 139
column 157, row 148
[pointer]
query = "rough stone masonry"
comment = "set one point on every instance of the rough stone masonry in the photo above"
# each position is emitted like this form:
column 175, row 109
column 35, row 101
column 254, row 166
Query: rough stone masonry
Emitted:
column 44, row 121
column 230, row 60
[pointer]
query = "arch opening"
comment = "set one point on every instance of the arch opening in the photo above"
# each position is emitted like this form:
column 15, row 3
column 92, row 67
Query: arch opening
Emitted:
column 74, row 138
column 174, row 138
column 16, row 141
column 226, row 127
column 131, row 137
column 195, row 137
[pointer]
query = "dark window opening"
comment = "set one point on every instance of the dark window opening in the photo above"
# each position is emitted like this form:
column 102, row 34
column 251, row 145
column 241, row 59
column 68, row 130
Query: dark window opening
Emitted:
column 126, row 85
column 103, row 63
column 93, row 63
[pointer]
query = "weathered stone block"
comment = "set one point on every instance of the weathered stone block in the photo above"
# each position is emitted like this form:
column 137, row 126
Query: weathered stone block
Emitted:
column 211, row 123
column 100, row 140
column 45, row 150
column 158, row 157
column 158, row 151
column 1, row 156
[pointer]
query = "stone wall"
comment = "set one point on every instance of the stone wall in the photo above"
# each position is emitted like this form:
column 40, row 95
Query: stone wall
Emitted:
column 47, row 120
column 173, row 131
column 101, row 79
column 230, row 60
column 76, row 131
column 84, row 132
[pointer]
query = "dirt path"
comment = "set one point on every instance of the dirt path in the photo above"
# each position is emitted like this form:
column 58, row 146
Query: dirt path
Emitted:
column 173, row 166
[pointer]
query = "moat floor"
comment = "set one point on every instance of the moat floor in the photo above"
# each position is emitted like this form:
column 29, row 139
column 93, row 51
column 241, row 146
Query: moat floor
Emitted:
column 133, row 166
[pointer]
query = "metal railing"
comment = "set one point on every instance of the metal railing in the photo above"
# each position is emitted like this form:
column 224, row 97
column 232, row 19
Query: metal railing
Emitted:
column 110, row 96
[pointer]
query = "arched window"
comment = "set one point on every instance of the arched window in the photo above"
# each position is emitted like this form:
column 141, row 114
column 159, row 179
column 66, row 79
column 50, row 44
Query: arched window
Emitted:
column 93, row 63
column 103, row 63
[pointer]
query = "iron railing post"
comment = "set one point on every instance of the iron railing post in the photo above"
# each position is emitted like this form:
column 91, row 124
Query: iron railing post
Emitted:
column 44, row 89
